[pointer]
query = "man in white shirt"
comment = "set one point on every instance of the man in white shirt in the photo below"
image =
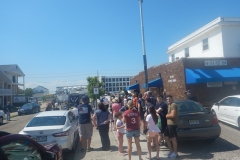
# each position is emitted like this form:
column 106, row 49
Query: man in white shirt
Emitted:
column 75, row 111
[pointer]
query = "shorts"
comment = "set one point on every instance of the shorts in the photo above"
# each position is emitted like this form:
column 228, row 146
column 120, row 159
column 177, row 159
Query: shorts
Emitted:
column 142, row 116
column 171, row 131
column 119, row 135
column 152, row 134
column 164, row 126
column 134, row 133
column 85, row 130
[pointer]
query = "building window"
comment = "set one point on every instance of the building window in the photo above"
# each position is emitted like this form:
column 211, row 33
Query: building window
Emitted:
column 127, row 83
column 110, row 84
column 110, row 89
column 106, row 80
column 116, row 79
column 123, row 79
column 121, row 88
column 124, row 84
column 14, row 79
column 127, row 79
column 113, row 84
column 107, row 89
column 186, row 52
column 113, row 79
column 117, row 84
column 113, row 89
column 173, row 57
column 205, row 44
column 106, row 84
column 109, row 80
column 120, row 79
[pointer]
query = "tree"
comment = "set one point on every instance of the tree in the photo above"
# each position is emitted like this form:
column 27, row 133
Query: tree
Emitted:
column 94, row 82
column 20, row 91
column 28, row 92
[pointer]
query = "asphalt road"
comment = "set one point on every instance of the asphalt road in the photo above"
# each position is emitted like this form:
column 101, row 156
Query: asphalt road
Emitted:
column 19, row 122
column 227, row 146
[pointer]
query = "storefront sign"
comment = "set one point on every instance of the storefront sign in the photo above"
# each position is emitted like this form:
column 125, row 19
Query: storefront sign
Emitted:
column 215, row 63
column 214, row 84
column 230, row 82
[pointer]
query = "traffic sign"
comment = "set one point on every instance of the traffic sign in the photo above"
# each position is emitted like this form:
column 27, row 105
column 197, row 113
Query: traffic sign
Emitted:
column 95, row 90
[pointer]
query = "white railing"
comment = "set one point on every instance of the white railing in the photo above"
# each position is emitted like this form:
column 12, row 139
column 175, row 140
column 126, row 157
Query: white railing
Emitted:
column 6, row 91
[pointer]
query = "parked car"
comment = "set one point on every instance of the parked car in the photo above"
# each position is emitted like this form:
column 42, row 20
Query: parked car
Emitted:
column 195, row 122
column 228, row 110
column 53, row 126
column 2, row 116
column 16, row 146
column 28, row 108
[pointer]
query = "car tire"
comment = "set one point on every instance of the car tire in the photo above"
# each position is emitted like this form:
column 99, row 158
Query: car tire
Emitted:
column 1, row 120
column 74, row 145
column 211, row 140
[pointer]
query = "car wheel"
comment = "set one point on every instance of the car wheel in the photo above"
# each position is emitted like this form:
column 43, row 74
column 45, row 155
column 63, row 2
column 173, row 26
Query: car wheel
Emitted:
column 211, row 140
column 33, row 111
column 74, row 145
column 1, row 120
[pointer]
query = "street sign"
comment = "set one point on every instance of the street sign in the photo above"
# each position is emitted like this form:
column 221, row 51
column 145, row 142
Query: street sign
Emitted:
column 95, row 90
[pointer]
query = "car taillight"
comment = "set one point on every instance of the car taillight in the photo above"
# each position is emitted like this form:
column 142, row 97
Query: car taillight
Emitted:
column 214, row 120
column 61, row 134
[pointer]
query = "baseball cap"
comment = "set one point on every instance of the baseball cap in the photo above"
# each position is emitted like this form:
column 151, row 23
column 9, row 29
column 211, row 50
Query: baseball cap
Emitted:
column 85, row 99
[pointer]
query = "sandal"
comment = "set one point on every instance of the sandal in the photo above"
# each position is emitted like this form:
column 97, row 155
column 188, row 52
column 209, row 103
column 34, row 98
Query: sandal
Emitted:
column 122, row 154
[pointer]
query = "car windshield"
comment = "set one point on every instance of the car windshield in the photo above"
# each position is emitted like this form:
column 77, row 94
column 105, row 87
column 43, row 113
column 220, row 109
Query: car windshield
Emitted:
column 47, row 121
column 189, row 106
column 27, row 106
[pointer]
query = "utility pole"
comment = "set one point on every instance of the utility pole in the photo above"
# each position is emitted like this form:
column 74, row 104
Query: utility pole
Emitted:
column 143, row 47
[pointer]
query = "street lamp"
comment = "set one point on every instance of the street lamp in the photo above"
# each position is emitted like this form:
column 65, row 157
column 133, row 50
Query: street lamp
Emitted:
column 143, row 47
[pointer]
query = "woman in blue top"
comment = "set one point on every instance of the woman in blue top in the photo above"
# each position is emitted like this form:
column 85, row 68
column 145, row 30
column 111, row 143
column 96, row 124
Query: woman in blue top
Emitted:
column 103, row 118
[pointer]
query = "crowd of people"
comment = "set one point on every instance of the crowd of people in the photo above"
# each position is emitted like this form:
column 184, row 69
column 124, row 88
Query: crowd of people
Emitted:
column 132, row 116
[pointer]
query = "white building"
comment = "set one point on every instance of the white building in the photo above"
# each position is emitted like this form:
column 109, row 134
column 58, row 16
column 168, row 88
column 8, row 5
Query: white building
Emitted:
column 11, row 78
column 115, row 83
column 39, row 92
column 219, row 38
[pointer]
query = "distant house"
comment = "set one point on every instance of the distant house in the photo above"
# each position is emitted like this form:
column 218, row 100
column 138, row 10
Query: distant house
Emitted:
column 219, row 39
column 11, row 77
column 39, row 92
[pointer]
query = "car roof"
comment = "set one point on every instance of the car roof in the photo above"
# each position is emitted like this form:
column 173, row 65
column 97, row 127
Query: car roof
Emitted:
column 237, row 96
column 52, row 113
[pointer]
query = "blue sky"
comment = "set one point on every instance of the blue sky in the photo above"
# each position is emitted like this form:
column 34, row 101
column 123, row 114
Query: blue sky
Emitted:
column 62, row 42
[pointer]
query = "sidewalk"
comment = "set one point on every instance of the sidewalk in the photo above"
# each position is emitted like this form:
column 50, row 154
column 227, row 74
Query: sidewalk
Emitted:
column 98, row 154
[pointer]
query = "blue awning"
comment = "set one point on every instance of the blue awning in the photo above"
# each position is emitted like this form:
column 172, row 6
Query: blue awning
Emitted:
column 212, row 75
column 154, row 83
column 135, row 86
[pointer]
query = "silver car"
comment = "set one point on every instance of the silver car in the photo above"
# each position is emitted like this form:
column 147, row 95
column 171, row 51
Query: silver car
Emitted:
column 54, row 126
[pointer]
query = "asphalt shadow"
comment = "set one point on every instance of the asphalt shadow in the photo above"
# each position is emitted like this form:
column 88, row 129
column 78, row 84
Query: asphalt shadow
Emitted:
column 201, row 149
column 231, row 126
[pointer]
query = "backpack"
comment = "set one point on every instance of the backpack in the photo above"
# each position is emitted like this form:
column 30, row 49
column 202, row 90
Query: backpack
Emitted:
column 143, row 106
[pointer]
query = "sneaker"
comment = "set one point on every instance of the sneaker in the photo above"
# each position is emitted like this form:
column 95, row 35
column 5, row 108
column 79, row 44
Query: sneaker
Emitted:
column 173, row 156
column 168, row 154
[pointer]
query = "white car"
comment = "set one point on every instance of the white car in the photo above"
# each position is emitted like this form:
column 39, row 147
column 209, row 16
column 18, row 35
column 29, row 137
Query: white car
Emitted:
column 2, row 116
column 54, row 126
column 228, row 110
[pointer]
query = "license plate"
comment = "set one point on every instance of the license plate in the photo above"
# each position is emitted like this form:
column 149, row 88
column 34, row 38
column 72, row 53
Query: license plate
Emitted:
column 41, row 138
column 193, row 122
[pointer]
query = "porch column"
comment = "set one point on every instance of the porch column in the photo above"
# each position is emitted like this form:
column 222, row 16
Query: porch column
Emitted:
column 11, row 92
column 24, row 83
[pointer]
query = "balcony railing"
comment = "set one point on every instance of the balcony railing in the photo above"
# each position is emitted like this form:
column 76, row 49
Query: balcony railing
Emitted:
column 5, row 91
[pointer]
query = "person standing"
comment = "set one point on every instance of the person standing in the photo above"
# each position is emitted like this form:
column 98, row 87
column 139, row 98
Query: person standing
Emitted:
column 191, row 96
column 7, row 110
column 75, row 111
column 142, row 110
column 49, row 107
column 115, row 108
column 120, row 132
column 105, row 102
column 132, row 119
column 85, row 126
column 103, row 118
column 153, row 100
column 153, row 131
column 162, row 110
column 171, row 130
